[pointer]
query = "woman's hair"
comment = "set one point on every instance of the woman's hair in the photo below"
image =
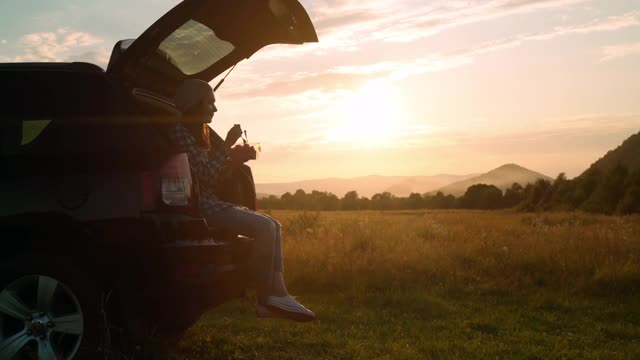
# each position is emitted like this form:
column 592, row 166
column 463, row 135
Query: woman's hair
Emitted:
column 201, row 134
column 189, row 99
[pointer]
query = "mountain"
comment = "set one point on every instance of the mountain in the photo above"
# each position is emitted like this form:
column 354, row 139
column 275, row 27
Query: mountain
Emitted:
column 365, row 185
column 502, row 177
column 627, row 154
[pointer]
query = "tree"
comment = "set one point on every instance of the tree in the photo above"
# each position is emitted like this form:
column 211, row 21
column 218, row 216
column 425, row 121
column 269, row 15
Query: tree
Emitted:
column 585, row 186
column 561, row 198
column 270, row 202
column 482, row 196
column 533, row 195
column 415, row 201
column 350, row 201
column 609, row 191
column 556, row 196
column 287, row 200
column 364, row 203
column 382, row 201
column 630, row 201
column 299, row 199
column 438, row 201
column 321, row 200
column 450, row 202
column 513, row 196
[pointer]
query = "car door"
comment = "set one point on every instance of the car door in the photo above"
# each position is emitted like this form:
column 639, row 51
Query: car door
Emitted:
column 202, row 38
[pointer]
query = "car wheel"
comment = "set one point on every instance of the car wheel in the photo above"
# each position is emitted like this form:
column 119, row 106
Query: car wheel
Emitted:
column 48, row 310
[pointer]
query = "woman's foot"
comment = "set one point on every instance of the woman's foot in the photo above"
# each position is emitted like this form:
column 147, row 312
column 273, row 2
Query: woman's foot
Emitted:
column 278, row 286
column 284, row 307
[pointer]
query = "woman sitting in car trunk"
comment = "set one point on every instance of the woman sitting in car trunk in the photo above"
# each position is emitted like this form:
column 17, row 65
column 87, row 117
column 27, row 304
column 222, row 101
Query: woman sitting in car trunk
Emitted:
column 196, row 100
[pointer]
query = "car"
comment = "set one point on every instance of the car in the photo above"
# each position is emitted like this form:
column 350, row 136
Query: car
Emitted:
column 100, row 234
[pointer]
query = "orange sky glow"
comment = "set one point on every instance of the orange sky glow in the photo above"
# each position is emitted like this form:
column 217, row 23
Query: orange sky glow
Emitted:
column 408, row 87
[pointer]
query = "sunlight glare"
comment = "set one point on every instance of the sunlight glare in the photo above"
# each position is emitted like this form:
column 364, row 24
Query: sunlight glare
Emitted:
column 368, row 118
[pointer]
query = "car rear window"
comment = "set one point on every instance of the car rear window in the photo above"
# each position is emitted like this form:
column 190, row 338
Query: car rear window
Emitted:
column 193, row 47
column 32, row 129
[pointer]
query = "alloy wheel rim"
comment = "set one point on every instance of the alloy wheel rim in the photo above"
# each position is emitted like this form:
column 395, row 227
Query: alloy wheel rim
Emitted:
column 40, row 316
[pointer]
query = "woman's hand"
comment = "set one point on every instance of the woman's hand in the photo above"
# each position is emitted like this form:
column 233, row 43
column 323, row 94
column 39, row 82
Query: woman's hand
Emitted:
column 233, row 135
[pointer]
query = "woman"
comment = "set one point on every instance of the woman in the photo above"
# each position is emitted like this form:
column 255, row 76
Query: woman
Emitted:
column 196, row 100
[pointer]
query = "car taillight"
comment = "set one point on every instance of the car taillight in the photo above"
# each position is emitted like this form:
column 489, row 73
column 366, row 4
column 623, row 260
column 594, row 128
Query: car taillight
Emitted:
column 175, row 177
column 169, row 188
column 174, row 191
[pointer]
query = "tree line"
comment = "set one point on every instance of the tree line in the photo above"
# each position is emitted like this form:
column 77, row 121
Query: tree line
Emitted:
column 613, row 192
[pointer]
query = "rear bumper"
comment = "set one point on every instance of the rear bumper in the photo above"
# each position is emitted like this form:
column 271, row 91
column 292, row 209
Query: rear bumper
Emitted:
column 174, row 228
column 174, row 269
column 177, row 260
column 194, row 254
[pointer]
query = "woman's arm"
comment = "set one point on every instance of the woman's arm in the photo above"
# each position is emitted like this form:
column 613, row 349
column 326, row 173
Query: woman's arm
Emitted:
column 215, row 139
column 204, row 166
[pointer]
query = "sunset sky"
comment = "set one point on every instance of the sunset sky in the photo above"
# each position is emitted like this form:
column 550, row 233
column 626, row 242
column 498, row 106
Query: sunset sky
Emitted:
column 405, row 87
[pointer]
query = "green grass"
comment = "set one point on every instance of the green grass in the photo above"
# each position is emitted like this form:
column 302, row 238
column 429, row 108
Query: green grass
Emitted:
column 444, row 285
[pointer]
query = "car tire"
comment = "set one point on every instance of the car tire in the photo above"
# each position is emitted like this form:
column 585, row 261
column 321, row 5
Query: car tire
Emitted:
column 46, row 290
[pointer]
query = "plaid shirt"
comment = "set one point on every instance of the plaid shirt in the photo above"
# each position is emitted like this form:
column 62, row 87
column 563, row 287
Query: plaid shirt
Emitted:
column 206, row 165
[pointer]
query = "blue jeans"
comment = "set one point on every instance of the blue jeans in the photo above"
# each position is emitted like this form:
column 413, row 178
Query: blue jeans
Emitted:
column 264, row 229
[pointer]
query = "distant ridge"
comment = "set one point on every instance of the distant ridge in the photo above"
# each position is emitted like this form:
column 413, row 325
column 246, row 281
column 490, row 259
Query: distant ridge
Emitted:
column 627, row 155
column 502, row 177
column 365, row 185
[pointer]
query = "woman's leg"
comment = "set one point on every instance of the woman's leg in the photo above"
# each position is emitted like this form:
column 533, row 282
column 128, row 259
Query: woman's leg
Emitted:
column 278, row 285
column 278, row 260
column 263, row 230
column 273, row 298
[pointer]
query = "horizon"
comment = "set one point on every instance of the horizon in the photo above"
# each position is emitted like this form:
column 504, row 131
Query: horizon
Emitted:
column 503, row 177
column 419, row 175
column 401, row 88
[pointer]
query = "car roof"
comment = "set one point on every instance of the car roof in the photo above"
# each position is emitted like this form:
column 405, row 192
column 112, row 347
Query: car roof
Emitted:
column 82, row 67
column 57, row 90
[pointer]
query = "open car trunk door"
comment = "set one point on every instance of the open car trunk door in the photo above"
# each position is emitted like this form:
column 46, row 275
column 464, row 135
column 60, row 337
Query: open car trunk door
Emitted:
column 202, row 38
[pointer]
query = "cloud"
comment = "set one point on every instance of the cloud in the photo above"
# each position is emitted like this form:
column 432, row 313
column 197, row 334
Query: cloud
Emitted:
column 345, row 25
column 3, row 41
column 407, row 21
column 621, row 50
column 561, row 132
column 331, row 23
column 610, row 23
column 578, row 126
column 54, row 46
column 98, row 57
column 425, row 22
column 350, row 77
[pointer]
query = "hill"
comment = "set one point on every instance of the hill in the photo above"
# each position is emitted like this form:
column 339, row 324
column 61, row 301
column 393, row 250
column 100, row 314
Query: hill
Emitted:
column 502, row 177
column 365, row 185
column 627, row 154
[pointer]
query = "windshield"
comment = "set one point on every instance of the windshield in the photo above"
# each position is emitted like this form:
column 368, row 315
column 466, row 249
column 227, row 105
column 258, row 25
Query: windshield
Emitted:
column 194, row 47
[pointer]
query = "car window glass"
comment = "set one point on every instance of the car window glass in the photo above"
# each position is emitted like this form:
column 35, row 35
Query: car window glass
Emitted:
column 32, row 129
column 194, row 47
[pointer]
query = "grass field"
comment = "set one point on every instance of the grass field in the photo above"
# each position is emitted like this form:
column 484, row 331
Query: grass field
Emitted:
column 444, row 285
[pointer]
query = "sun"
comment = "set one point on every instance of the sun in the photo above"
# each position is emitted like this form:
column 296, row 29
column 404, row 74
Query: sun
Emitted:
column 368, row 117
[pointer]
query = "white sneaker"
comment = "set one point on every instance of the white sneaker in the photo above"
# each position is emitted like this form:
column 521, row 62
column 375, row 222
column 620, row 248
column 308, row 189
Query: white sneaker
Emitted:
column 285, row 307
column 265, row 312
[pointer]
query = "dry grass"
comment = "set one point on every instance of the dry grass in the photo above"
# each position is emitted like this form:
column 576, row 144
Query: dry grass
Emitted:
column 445, row 284
column 474, row 251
